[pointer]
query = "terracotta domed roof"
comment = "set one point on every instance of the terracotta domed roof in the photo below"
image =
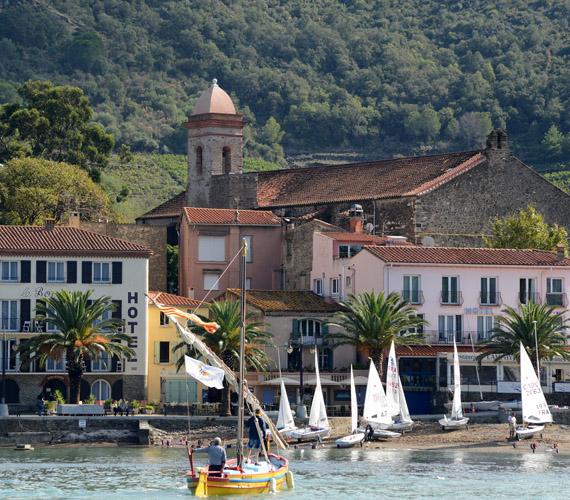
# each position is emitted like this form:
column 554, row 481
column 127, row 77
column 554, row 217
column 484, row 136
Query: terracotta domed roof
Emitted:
column 214, row 100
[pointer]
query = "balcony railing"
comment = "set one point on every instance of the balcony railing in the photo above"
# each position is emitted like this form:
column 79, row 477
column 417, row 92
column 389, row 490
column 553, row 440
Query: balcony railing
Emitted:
column 413, row 296
column 556, row 299
column 451, row 298
column 526, row 297
column 464, row 337
column 490, row 299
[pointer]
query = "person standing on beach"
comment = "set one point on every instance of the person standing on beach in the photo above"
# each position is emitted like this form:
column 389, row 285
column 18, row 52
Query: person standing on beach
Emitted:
column 216, row 457
column 512, row 425
column 255, row 435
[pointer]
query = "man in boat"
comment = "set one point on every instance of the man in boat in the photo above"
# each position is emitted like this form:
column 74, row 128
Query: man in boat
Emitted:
column 216, row 457
column 256, row 436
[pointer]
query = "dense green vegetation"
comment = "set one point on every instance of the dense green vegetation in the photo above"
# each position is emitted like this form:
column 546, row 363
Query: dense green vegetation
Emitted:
column 384, row 76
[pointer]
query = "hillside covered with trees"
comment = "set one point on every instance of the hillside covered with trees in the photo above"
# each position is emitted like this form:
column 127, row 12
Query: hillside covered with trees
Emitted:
column 380, row 76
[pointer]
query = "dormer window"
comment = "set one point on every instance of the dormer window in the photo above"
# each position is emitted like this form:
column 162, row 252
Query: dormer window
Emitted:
column 199, row 164
column 227, row 160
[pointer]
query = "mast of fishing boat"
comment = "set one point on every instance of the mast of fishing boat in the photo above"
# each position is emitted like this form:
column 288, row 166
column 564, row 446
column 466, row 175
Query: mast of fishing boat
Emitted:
column 241, row 412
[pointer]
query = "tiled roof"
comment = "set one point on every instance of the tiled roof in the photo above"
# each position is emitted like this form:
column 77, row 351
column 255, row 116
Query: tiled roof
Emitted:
column 231, row 216
column 365, row 238
column 427, row 350
column 394, row 178
column 466, row 256
column 170, row 208
column 169, row 299
column 288, row 301
column 64, row 240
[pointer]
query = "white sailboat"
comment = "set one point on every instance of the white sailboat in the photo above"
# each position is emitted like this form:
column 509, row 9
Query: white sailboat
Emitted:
column 456, row 420
column 397, row 406
column 535, row 412
column 355, row 437
column 285, row 422
column 376, row 411
column 319, row 426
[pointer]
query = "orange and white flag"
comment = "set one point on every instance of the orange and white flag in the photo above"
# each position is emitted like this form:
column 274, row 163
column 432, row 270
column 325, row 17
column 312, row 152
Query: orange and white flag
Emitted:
column 210, row 327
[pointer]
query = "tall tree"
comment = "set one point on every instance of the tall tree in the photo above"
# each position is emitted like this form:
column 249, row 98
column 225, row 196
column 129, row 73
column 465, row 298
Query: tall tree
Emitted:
column 225, row 342
column 526, row 229
column 516, row 326
column 81, row 334
column 373, row 320
column 55, row 123
column 34, row 189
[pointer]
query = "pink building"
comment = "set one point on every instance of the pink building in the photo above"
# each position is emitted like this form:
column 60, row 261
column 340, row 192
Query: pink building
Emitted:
column 211, row 237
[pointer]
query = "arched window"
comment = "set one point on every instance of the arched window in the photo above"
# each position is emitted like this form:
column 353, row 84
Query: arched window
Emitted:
column 227, row 160
column 199, row 163
column 101, row 390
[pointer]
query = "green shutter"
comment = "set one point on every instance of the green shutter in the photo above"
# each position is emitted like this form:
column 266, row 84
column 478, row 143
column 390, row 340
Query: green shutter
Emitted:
column 296, row 333
column 324, row 329
column 156, row 352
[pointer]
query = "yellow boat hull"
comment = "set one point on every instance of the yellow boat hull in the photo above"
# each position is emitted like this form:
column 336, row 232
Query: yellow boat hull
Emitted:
column 241, row 483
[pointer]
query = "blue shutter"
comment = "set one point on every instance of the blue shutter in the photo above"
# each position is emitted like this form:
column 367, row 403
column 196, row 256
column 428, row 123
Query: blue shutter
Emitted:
column 117, row 273
column 86, row 272
column 72, row 271
column 296, row 333
column 25, row 271
column 40, row 271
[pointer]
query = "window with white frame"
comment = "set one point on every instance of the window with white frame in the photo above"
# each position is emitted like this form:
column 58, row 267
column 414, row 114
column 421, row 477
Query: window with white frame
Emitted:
column 450, row 290
column 527, row 290
column 55, row 272
column 488, row 294
column 211, row 280
column 346, row 251
column 318, row 286
column 555, row 292
column 411, row 291
column 101, row 362
column 8, row 354
column 50, row 327
column 309, row 328
column 9, row 315
column 348, row 282
column 249, row 254
column 164, row 321
column 107, row 315
column 335, row 287
column 450, row 327
column 416, row 329
column 211, row 248
column 9, row 271
column 485, row 326
column 101, row 272
column 56, row 364
column 101, row 389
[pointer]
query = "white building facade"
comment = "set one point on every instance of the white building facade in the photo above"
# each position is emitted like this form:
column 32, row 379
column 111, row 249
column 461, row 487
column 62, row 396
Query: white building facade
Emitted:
column 36, row 262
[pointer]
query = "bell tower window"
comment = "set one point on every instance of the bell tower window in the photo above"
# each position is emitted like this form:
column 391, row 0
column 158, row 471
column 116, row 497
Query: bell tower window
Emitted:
column 199, row 164
column 227, row 160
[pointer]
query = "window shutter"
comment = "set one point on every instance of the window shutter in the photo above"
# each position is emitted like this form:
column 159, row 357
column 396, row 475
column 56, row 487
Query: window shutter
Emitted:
column 71, row 271
column 40, row 271
column 118, row 312
column 86, row 271
column 25, row 271
column 458, row 323
column 296, row 329
column 480, row 325
column 324, row 329
column 169, row 352
column 156, row 352
column 117, row 273
column 25, row 306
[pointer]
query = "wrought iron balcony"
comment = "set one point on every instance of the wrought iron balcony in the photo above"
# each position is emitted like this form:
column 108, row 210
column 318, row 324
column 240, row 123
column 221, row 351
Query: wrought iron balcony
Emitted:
column 451, row 298
column 527, row 297
column 556, row 299
column 414, row 297
column 490, row 299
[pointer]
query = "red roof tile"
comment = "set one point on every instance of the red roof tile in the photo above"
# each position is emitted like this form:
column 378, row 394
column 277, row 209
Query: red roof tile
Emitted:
column 466, row 256
column 64, row 240
column 225, row 216
column 170, row 208
column 365, row 238
column 427, row 350
column 383, row 179
column 169, row 299
column 288, row 301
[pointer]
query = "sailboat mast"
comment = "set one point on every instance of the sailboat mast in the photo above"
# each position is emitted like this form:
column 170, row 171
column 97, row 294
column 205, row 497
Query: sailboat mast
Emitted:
column 241, row 412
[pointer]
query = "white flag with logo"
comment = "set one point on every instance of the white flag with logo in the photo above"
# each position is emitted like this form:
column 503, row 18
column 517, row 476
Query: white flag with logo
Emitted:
column 208, row 375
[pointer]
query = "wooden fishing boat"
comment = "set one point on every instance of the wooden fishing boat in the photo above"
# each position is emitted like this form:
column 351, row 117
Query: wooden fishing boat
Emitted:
column 457, row 420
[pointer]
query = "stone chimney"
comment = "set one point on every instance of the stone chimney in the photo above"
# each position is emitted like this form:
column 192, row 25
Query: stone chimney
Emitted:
column 49, row 224
column 560, row 252
column 356, row 225
column 74, row 220
column 498, row 140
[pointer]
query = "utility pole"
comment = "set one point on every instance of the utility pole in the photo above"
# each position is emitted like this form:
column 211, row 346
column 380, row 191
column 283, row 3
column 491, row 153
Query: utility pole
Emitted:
column 3, row 406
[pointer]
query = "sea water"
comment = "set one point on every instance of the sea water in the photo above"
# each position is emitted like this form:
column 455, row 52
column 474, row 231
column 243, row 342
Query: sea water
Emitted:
column 125, row 472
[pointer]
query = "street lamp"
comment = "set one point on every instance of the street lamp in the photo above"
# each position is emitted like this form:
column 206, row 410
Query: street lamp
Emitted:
column 3, row 406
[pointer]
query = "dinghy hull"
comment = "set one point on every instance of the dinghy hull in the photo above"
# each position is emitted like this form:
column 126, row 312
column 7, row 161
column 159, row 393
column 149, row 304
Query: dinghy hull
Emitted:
column 310, row 434
column 528, row 432
column 350, row 440
column 448, row 424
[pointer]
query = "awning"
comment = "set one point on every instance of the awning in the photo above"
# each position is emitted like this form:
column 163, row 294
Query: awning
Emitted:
column 358, row 380
column 277, row 381
column 324, row 381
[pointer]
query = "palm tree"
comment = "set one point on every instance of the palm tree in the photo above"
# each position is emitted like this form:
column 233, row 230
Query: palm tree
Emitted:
column 225, row 342
column 373, row 320
column 80, row 333
column 514, row 327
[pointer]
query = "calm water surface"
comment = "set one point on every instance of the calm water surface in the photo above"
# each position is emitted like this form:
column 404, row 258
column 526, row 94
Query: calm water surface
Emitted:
column 325, row 473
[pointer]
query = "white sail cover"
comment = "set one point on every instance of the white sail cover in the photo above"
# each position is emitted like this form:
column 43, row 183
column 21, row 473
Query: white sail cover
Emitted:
column 375, row 404
column 534, row 406
column 353, row 404
column 318, row 416
column 285, row 417
column 393, row 383
column 456, row 409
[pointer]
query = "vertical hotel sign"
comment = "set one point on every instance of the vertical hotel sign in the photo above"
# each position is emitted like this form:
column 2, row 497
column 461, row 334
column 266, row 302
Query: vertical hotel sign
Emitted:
column 132, row 323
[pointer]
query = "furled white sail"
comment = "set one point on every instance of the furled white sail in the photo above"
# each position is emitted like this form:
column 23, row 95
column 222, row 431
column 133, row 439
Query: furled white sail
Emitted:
column 404, row 412
column 285, row 417
column 318, row 416
column 456, row 409
column 534, row 406
column 393, row 383
column 353, row 403
column 375, row 404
